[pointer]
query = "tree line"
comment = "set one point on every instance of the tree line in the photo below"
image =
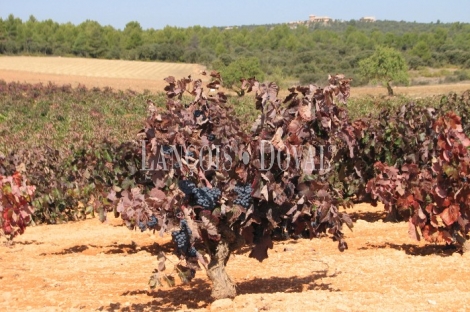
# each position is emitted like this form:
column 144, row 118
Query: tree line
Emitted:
column 306, row 53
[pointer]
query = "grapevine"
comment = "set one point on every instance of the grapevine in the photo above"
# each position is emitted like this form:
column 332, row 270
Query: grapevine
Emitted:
column 211, row 197
column 15, row 205
column 303, row 160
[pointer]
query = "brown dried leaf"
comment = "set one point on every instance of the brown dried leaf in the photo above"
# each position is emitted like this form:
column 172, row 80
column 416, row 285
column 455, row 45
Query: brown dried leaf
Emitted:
column 412, row 231
column 277, row 141
column 450, row 214
column 305, row 112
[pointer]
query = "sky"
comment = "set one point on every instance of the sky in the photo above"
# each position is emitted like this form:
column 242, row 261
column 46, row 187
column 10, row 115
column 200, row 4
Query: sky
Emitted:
column 185, row 13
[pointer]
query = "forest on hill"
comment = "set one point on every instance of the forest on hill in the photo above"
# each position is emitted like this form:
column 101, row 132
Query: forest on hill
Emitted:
column 305, row 52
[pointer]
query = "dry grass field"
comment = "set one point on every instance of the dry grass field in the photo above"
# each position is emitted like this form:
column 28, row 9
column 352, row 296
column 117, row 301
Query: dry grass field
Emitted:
column 413, row 91
column 118, row 74
column 139, row 76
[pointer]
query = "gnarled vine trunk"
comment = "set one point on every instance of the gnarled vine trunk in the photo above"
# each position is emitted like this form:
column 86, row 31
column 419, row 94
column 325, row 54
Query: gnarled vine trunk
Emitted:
column 222, row 284
column 389, row 89
column 393, row 215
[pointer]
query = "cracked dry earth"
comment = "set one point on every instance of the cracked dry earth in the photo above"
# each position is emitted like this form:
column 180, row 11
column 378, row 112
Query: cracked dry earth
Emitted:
column 90, row 266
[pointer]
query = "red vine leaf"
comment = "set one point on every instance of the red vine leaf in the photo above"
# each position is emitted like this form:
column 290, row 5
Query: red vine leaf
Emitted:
column 450, row 214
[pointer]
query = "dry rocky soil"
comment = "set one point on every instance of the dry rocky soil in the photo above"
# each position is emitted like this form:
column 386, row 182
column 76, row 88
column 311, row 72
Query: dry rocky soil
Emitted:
column 94, row 266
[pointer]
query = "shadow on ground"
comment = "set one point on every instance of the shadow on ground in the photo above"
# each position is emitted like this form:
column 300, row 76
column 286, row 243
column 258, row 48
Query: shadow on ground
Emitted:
column 71, row 250
column 116, row 248
column 414, row 250
column 197, row 294
column 368, row 216
column 31, row 242
column 153, row 249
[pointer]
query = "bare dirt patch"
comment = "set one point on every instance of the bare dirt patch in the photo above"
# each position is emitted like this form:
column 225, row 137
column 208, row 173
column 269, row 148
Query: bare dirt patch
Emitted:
column 92, row 266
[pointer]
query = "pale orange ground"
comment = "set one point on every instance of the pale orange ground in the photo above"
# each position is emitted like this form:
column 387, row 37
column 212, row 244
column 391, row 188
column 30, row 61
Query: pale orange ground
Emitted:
column 92, row 266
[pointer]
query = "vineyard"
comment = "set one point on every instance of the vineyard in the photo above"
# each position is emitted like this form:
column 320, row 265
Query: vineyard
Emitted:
column 224, row 184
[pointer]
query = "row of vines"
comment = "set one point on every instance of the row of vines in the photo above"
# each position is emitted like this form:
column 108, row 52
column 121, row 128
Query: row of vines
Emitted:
column 195, row 170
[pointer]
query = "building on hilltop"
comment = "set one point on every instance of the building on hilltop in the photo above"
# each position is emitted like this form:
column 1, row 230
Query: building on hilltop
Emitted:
column 311, row 19
column 368, row 19
column 319, row 19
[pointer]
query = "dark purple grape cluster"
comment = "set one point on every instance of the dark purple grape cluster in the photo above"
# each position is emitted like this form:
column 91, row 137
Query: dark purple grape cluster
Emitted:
column 167, row 150
column 182, row 239
column 211, row 137
column 244, row 195
column 142, row 226
column 152, row 222
column 184, row 227
column 213, row 193
column 186, row 187
column 182, row 242
column 192, row 252
column 204, row 197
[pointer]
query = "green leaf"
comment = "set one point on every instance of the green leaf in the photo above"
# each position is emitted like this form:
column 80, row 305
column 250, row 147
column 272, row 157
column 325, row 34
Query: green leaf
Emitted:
column 155, row 281
column 6, row 189
column 107, row 156
column 170, row 280
column 89, row 210
column 3, row 117
column 183, row 277
column 451, row 171
column 127, row 183
column 102, row 214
